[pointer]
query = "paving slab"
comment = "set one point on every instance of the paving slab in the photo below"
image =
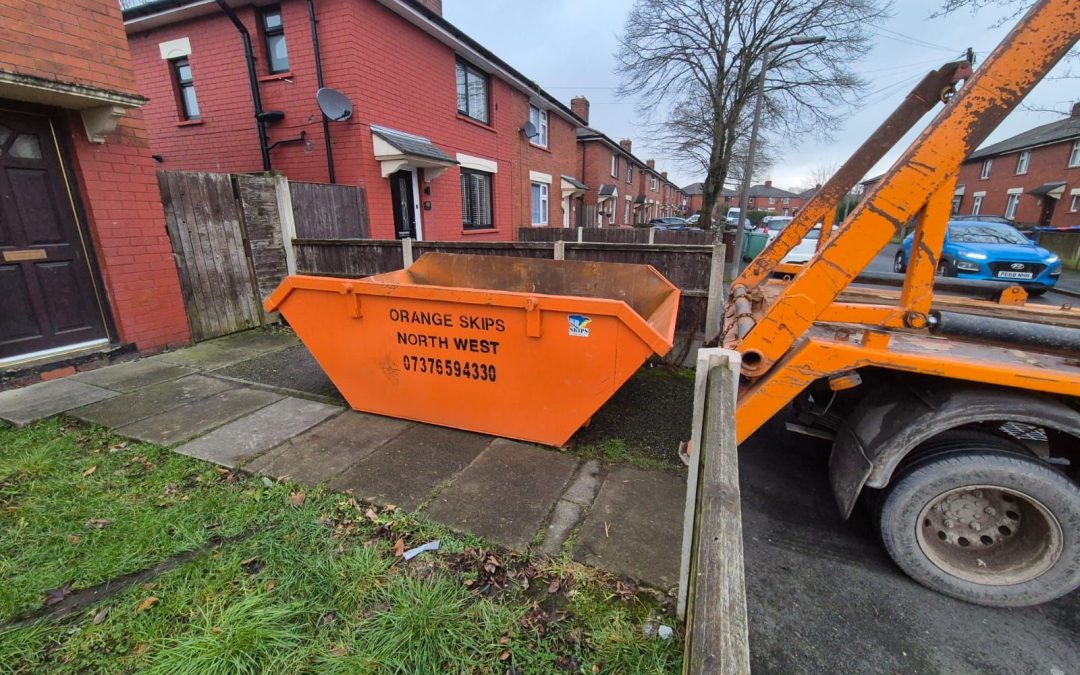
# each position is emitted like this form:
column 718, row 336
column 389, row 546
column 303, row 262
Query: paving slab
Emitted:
column 564, row 518
column 254, row 434
column 290, row 368
column 506, row 493
column 188, row 421
column 228, row 350
column 583, row 488
column 129, row 408
column 413, row 465
column 325, row 450
column 635, row 526
column 128, row 377
column 38, row 401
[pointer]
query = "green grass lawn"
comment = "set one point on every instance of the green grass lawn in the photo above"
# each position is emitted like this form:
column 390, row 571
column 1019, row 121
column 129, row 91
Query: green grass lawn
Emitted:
column 244, row 575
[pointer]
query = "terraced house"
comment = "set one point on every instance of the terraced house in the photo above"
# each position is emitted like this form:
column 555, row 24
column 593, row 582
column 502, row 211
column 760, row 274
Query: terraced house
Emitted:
column 448, row 140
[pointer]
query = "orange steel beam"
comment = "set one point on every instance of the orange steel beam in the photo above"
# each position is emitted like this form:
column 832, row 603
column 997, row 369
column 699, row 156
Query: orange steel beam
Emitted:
column 820, row 356
column 822, row 206
column 1030, row 50
column 926, row 245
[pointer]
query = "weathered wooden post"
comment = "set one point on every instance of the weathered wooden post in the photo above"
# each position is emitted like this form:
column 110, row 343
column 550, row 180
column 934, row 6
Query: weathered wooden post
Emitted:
column 712, row 590
column 714, row 311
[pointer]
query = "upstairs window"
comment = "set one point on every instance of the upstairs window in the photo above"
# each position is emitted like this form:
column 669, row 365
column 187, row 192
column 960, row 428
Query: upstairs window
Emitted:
column 653, row 183
column 277, row 56
column 185, row 89
column 986, row 169
column 472, row 93
column 1074, row 156
column 539, row 119
column 1022, row 162
column 629, row 172
column 615, row 166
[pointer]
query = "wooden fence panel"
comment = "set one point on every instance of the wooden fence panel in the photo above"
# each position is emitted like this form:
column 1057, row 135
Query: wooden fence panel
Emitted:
column 323, row 211
column 205, row 231
column 257, row 195
column 617, row 235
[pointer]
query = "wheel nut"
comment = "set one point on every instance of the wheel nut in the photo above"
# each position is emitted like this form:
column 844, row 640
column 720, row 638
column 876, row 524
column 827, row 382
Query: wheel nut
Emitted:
column 975, row 526
column 949, row 523
column 991, row 511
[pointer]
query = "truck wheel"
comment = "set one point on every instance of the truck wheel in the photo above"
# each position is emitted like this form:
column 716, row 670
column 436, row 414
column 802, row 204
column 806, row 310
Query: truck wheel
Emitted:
column 987, row 526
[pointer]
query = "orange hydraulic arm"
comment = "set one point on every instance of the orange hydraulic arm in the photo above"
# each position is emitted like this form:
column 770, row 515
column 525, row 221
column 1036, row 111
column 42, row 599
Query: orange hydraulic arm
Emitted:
column 784, row 331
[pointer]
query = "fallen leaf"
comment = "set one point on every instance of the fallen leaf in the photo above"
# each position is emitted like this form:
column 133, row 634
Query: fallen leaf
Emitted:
column 339, row 651
column 140, row 649
column 147, row 603
column 297, row 499
column 216, row 630
column 504, row 640
column 371, row 515
column 505, row 655
column 399, row 547
column 74, row 539
column 57, row 594
column 271, row 585
column 390, row 507
column 553, row 587
column 100, row 616
column 596, row 668
column 97, row 523
column 222, row 470
column 89, row 471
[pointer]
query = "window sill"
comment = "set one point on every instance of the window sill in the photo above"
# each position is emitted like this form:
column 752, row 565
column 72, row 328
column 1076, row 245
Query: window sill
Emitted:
column 477, row 123
column 486, row 230
column 538, row 225
column 189, row 123
column 537, row 146
column 287, row 75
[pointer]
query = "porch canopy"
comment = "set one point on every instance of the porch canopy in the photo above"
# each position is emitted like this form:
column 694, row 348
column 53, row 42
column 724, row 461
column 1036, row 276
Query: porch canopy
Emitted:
column 396, row 150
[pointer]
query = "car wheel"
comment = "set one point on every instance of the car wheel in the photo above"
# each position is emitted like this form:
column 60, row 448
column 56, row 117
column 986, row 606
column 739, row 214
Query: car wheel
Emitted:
column 1036, row 292
column 945, row 269
column 898, row 265
column 985, row 525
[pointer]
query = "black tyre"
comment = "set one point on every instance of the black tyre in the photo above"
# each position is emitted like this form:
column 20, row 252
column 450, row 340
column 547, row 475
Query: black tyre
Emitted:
column 986, row 525
column 899, row 266
column 1036, row 292
column 945, row 269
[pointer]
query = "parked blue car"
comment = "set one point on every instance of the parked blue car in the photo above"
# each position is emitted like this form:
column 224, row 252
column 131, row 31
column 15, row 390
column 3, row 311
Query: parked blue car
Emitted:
column 991, row 251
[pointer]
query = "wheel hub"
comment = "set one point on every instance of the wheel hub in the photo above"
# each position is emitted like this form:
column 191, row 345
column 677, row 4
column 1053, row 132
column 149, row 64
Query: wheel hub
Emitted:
column 989, row 535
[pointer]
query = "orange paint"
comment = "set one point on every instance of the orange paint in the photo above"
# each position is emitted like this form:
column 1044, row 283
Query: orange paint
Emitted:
column 515, row 347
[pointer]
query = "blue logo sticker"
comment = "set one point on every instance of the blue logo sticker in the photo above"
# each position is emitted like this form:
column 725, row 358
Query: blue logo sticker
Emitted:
column 579, row 325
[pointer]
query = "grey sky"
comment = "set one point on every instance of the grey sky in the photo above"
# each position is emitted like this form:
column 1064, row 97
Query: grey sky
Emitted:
column 567, row 46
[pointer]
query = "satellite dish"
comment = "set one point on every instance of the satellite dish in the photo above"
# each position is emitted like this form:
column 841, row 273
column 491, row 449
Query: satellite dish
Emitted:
column 334, row 104
column 529, row 130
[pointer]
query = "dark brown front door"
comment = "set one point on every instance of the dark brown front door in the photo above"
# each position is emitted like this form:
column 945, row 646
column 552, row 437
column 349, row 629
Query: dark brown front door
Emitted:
column 401, row 193
column 48, row 297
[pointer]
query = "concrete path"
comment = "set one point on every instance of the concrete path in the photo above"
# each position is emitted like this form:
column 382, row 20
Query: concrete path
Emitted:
column 204, row 403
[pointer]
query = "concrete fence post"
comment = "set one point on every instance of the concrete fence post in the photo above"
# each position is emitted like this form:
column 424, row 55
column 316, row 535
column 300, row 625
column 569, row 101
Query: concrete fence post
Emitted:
column 406, row 252
column 560, row 250
column 652, row 236
column 714, row 312
column 288, row 223
column 580, row 232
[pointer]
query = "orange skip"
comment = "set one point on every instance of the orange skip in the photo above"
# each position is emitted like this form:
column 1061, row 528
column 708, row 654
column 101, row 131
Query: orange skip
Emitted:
column 517, row 347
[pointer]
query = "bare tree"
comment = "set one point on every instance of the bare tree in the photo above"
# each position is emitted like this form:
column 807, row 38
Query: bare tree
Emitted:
column 694, row 63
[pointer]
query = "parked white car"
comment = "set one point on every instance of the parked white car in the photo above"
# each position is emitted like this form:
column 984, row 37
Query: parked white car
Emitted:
column 774, row 225
column 805, row 249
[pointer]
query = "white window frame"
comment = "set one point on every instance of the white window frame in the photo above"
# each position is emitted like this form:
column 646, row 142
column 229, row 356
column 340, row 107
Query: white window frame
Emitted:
column 543, row 192
column 629, row 171
column 976, row 205
column 539, row 119
column 957, row 202
column 654, row 184
column 626, row 210
column 1011, row 204
column 611, row 212
column 1022, row 162
column 772, row 201
column 787, row 200
column 1074, row 202
column 614, row 165
column 1074, row 156
column 987, row 165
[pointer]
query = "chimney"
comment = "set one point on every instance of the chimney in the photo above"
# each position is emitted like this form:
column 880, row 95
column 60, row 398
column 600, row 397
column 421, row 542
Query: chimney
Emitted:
column 768, row 183
column 1076, row 109
column 663, row 174
column 626, row 144
column 433, row 5
column 580, row 107
column 651, row 163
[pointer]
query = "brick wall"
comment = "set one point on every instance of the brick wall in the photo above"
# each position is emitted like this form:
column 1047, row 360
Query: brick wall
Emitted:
column 396, row 76
column 80, row 42
column 83, row 42
column 1047, row 164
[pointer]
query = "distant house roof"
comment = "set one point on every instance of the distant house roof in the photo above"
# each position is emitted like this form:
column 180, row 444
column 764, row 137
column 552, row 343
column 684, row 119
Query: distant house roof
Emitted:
column 1056, row 132
column 809, row 194
column 694, row 189
column 769, row 191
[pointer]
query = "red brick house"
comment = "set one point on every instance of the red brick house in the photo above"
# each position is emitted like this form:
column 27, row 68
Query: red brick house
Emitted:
column 85, row 263
column 695, row 199
column 1032, row 178
column 436, row 131
column 772, row 200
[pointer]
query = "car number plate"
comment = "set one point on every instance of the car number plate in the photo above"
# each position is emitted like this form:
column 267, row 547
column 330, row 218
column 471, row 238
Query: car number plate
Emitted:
column 1014, row 275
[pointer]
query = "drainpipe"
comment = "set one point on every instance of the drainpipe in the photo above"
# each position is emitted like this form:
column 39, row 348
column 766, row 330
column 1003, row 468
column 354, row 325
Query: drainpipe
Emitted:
column 253, row 82
column 319, row 81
